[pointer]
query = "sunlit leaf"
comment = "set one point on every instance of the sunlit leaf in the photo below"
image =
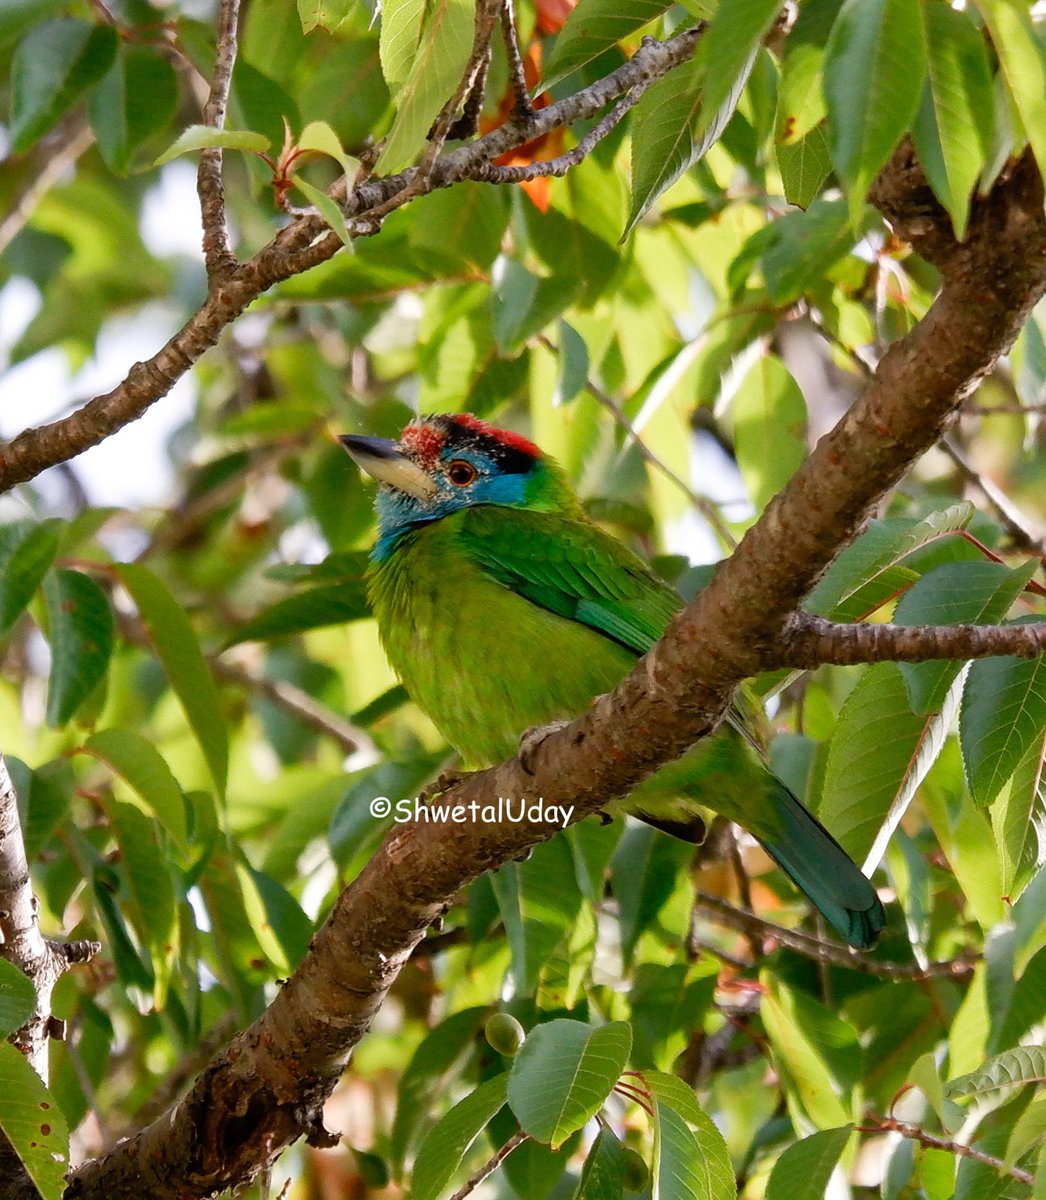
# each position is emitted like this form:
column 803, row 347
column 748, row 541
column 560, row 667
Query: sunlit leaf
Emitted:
column 80, row 630
column 450, row 1138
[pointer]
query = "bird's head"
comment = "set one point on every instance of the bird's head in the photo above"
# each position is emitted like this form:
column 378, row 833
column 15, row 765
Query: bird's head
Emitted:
column 443, row 464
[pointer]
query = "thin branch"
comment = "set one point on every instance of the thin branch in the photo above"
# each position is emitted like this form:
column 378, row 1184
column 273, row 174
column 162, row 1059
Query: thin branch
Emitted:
column 517, row 75
column 915, row 1134
column 810, row 642
column 557, row 167
column 827, row 952
column 491, row 1165
column 1013, row 520
column 216, row 251
column 292, row 699
column 57, row 156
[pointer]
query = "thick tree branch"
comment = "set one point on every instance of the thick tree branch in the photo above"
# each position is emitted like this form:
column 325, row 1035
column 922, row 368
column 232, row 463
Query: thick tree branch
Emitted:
column 812, row 641
column 268, row 1087
column 209, row 187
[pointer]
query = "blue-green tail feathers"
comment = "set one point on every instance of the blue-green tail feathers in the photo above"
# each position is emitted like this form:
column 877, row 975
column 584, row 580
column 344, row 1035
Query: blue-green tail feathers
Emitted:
column 821, row 868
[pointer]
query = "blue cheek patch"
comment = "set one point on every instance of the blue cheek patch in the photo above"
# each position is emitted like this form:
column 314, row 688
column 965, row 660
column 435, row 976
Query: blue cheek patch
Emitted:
column 398, row 513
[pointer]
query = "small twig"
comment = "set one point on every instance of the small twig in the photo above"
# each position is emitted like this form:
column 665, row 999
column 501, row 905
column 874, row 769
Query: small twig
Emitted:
column 557, row 167
column 77, row 137
column 915, row 1134
column 808, row 642
column 704, row 506
column 209, row 187
column 810, row 947
column 517, row 74
column 1013, row 520
column 298, row 703
column 491, row 1165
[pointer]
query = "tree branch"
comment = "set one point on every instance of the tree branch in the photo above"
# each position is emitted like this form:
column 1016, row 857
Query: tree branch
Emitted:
column 915, row 1134
column 209, row 187
column 809, row 642
column 268, row 1087
column 21, row 941
column 742, row 921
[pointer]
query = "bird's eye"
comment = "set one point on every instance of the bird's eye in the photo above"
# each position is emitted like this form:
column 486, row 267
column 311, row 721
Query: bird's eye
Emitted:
column 461, row 473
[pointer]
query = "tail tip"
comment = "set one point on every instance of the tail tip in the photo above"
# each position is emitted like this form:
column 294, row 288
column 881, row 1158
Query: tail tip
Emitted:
column 864, row 927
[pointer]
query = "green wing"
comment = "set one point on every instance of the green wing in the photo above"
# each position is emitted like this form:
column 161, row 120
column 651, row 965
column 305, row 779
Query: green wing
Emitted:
column 572, row 568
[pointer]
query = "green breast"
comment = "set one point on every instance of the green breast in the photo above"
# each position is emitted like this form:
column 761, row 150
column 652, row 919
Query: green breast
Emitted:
column 481, row 661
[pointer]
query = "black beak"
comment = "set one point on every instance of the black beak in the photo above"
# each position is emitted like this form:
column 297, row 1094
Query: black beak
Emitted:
column 386, row 462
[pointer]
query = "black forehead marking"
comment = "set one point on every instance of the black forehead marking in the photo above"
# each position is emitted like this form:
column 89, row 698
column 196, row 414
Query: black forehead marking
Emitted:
column 509, row 460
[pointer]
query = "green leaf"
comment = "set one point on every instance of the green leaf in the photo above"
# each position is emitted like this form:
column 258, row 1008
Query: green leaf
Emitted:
column 702, row 1159
column 1019, row 821
column 592, row 28
column 802, row 246
column 401, row 27
column 671, row 132
column 437, row 1054
column 953, row 128
column 153, row 906
column 320, row 138
column 1022, row 63
column 539, row 901
column 325, row 206
column 522, row 304
column 644, row 869
column 53, row 66
column 136, row 99
column 769, row 429
column 176, row 647
column 816, row 1053
column 205, row 137
column 804, row 166
column 879, row 754
column 1028, row 1130
column 572, row 374
column 874, row 66
column 281, row 927
column 563, row 1075
column 324, row 14
column 27, row 550
column 924, row 1074
column 448, row 1141
column 137, row 761
column 728, row 51
column 1013, row 1068
column 1003, row 714
column 803, row 1171
column 43, row 796
column 33, row 1124
column 315, row 608
column 435, row 71
column 976, row 593
column 17, row 998
column 603, row 1175
column 843, row 593
column 80, row 630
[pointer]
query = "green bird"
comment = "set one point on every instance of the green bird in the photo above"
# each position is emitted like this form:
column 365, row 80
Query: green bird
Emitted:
column 501, row 606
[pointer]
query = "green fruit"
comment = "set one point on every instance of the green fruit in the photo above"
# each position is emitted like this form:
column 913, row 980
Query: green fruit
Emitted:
column 636, row 1172
column 504, row 1033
